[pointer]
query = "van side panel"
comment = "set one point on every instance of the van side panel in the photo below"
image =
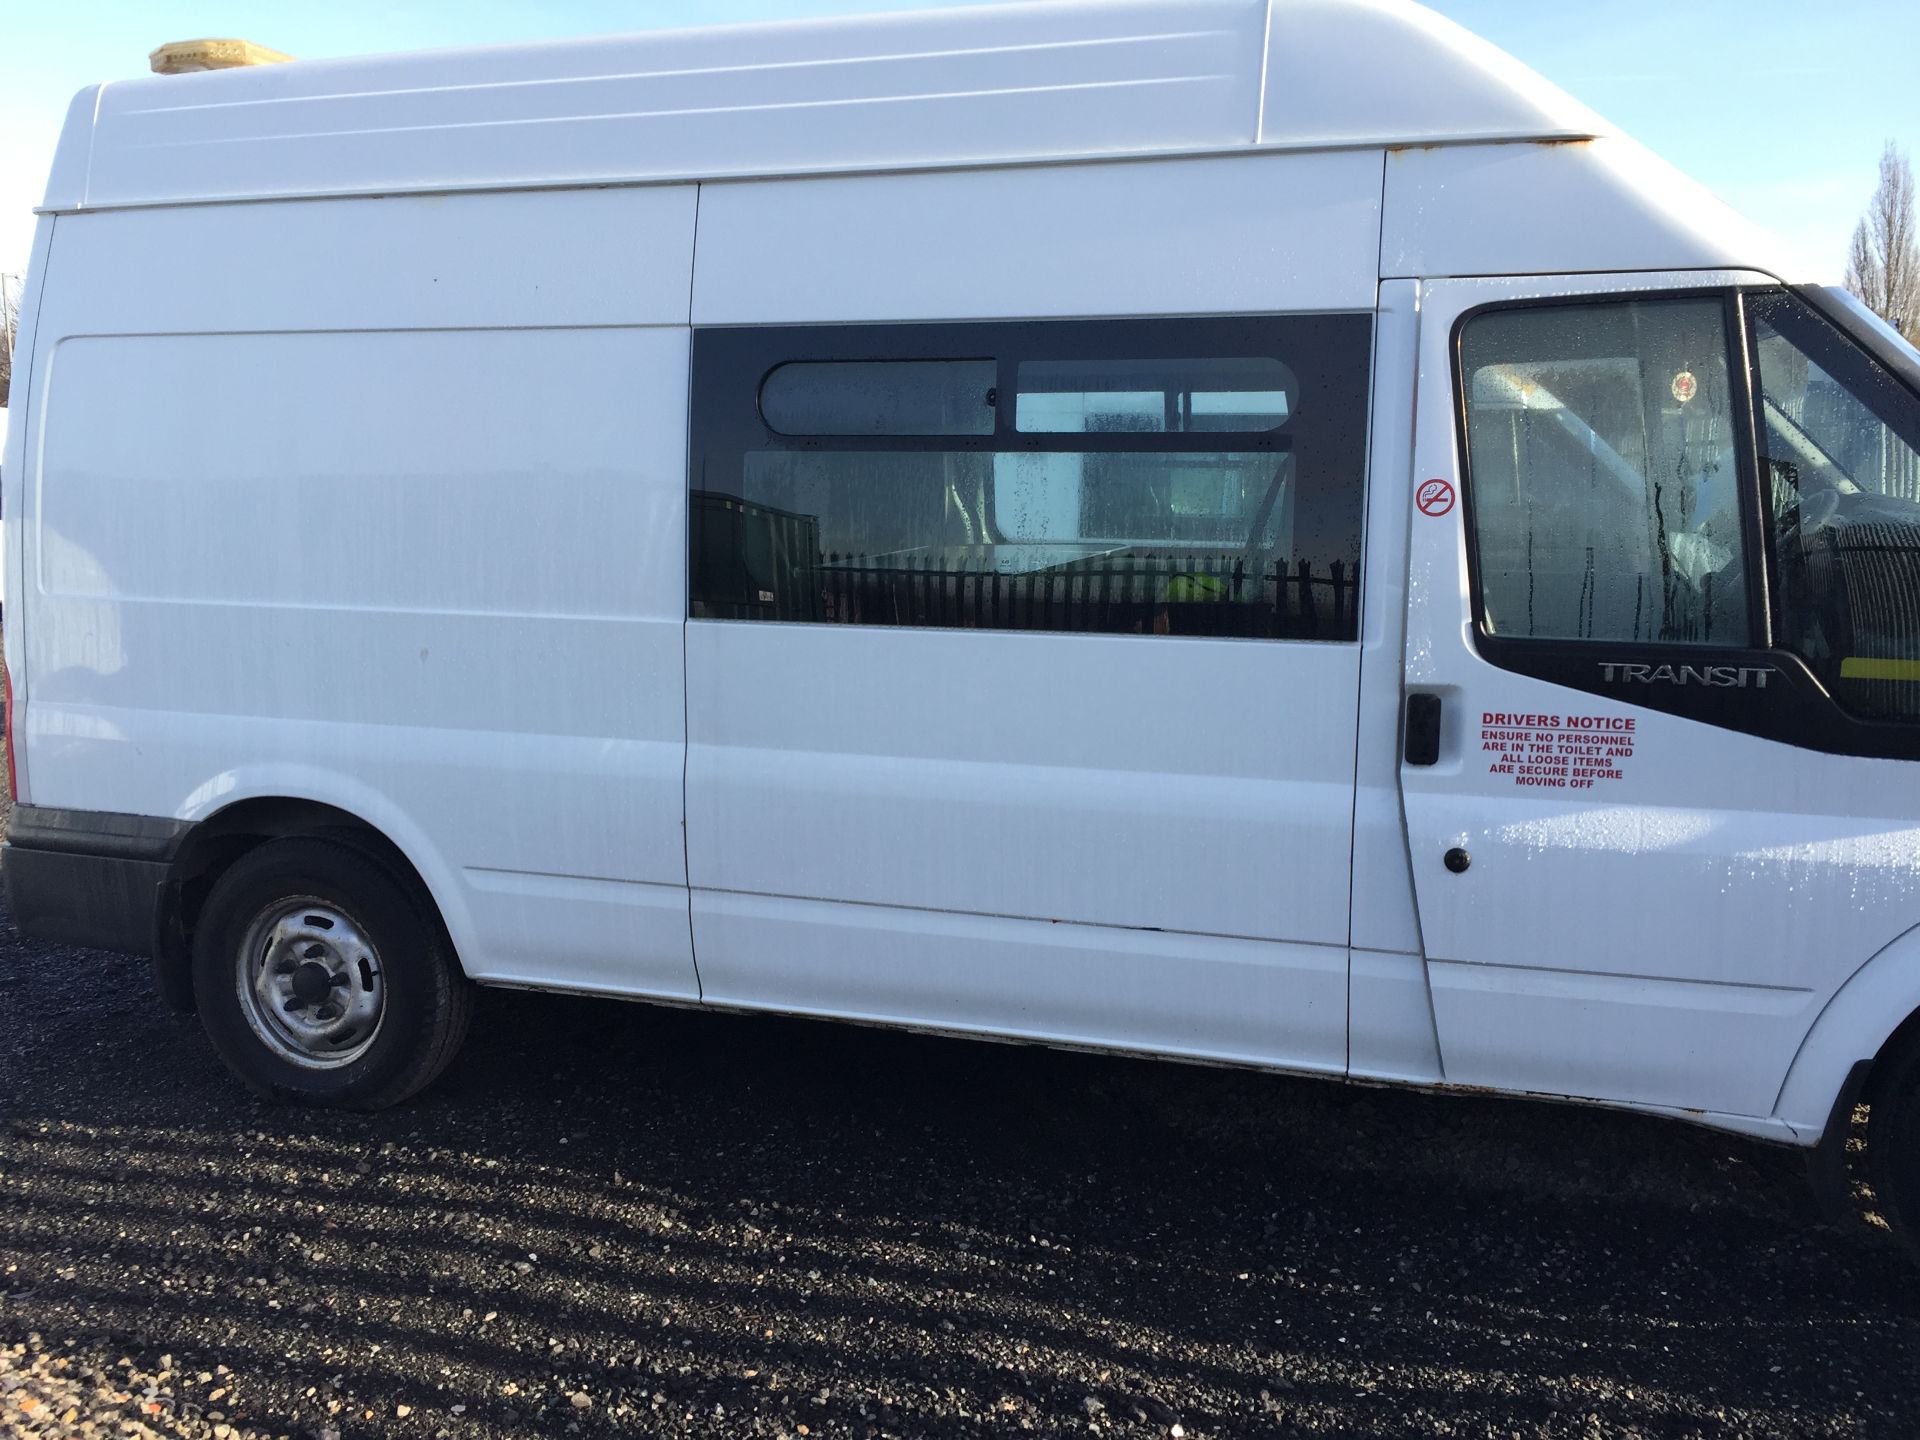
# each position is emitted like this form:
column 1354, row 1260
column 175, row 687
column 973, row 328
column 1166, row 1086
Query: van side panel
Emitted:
column 1173, row 784
column 1136, row 841
column 1228, row 235
column 1013, row 829
column 1202, row 997
column 1556, row 208
column 15, row 456
column 550, row 257
column 431, row 575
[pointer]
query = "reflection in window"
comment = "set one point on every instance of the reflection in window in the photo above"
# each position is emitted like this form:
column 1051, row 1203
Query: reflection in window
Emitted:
column 1244, row 394
column 1204, row 497
column 1604, row 483
column 883, row 397
column 1839, row 439
column 1117, row 542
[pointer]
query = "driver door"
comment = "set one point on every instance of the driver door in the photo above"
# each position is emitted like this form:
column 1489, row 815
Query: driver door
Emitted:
column 1657, row 830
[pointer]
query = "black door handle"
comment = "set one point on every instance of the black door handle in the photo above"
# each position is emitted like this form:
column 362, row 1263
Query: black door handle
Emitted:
column 1423, row 729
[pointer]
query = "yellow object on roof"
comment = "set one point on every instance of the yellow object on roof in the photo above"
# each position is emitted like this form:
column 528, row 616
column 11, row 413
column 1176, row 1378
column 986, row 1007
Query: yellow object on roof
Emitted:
column 183, row 56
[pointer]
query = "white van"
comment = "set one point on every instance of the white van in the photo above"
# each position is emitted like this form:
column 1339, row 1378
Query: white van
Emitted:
column 1255, row 531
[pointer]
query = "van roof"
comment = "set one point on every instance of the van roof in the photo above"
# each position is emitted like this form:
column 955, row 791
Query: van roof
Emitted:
column 1003, row 84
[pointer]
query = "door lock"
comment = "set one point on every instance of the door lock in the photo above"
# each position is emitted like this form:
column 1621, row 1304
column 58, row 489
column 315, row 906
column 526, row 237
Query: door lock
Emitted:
column 1457, row 860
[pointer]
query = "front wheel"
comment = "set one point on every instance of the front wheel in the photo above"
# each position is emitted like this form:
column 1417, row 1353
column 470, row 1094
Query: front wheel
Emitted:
column 322, row 979
column 1893, row 1146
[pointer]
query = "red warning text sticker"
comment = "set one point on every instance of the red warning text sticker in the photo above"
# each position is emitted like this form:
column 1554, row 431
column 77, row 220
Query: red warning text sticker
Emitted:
column 1556, row 752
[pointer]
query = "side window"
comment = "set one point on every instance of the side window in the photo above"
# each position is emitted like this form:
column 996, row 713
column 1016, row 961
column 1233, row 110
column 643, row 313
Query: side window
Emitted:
column 1247, row 394
column 1197, row 478
column 1840, row 450
column 1603, row 480
column 891, row 397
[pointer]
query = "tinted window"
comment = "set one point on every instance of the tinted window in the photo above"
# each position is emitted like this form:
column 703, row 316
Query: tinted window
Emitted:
column 1840, row 444
column 1248, row 393
column 894, row 397
column 1604, row 483
column 1143, row 492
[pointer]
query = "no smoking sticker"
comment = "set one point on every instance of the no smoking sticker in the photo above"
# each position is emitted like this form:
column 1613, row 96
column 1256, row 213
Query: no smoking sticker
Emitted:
column 1434, row 497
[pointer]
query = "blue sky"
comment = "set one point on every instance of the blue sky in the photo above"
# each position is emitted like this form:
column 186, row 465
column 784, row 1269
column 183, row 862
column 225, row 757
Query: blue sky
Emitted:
column 1779, row 105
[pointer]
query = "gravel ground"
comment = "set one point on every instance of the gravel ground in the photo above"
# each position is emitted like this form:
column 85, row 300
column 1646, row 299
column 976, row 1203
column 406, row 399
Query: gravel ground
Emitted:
column 615, row 1220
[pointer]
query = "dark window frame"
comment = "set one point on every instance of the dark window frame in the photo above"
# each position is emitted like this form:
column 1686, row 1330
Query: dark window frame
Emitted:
column 730, row 364
column 1733, row 337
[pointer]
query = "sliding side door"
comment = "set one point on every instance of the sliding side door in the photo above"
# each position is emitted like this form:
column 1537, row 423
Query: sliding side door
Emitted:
column 1022, row 669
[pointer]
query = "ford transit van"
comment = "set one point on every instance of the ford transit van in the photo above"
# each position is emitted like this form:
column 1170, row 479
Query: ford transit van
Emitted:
column 1252, row 531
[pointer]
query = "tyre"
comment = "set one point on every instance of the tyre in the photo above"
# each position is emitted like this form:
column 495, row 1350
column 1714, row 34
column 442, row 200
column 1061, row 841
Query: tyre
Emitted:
column 1893, row 1146
column 321, row 978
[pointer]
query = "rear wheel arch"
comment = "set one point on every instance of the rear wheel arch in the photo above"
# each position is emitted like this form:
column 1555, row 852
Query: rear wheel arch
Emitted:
column 213, row 846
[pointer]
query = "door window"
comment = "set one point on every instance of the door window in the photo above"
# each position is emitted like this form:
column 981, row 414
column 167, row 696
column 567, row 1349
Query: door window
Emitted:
column 1604, row 480
column 1840, row 448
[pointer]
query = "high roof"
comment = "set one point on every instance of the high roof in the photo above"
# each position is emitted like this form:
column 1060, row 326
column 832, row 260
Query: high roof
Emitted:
column 1066, row 80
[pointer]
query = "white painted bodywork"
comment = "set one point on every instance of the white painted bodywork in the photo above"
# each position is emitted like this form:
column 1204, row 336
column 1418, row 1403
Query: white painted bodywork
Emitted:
column 372, row 491
column 1535, row 209
column 1282, row 232
column 1034, row 779
column 401, row 536
column 1009, row 84
column 1390, row 1034
column 1668, row 940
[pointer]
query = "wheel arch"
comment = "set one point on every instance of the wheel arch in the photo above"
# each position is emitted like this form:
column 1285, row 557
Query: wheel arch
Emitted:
column 1877, row 1006
column 223, row 836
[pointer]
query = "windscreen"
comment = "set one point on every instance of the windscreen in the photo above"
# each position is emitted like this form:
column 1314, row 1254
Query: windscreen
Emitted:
column 1840, row 446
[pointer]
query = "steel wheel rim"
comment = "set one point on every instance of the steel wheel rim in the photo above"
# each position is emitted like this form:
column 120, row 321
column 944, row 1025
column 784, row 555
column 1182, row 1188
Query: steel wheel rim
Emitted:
column 310, row 984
